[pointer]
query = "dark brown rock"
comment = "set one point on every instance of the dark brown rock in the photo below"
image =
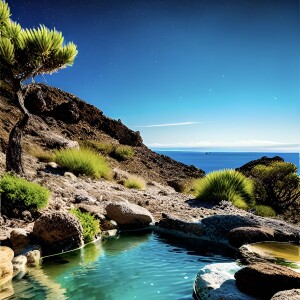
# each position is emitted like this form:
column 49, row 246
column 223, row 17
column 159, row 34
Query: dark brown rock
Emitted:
column 293, row 294
column 265, row 279
column 19, row 239
column 247, row 235
column 58, row 232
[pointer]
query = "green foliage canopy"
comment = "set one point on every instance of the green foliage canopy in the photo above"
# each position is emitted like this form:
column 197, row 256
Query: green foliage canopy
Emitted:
column 25, row 53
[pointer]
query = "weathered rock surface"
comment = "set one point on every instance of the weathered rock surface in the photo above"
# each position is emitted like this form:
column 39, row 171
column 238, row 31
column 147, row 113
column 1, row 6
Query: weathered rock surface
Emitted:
column 19, row 239
column 265, row 279
column 58, row 232
column 33, row 258
column 171, row 223
column 6, row 267
column 129, row 215
column 216, row 281
column 293, row 294
column 247, row 235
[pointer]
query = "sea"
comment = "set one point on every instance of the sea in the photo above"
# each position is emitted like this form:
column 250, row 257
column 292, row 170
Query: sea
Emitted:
column 213, row 161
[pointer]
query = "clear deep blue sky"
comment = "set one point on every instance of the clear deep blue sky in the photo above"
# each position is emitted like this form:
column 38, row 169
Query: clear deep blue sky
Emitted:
column 212, row 73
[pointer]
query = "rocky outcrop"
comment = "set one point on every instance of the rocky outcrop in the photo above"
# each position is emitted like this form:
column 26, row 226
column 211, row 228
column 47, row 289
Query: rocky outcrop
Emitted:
column 247, row 235
column 265, row 279
column 6, row 267
column 266, row 161
column 293, row 294
column 128, row 215
column 58, row 232
column 216, row 281
column 171, row 223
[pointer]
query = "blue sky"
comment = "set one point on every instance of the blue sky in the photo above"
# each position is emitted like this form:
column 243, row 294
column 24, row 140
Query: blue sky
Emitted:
column 219, row 74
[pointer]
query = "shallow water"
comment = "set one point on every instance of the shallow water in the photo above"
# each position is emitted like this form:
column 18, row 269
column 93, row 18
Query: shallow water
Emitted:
column 133, row 266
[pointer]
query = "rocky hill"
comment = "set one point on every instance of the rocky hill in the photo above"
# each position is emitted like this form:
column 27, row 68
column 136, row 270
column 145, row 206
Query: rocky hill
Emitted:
column 63, row 114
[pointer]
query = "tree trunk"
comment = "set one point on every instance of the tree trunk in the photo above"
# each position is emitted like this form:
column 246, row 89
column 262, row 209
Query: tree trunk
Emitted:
column 14, row 160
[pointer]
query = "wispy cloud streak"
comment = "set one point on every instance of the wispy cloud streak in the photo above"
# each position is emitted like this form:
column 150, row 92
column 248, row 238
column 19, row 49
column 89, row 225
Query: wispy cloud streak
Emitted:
column 171, row 124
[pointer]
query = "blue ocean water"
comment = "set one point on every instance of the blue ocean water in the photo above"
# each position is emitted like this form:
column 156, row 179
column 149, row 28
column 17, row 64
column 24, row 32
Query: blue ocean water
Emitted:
column 212, row 161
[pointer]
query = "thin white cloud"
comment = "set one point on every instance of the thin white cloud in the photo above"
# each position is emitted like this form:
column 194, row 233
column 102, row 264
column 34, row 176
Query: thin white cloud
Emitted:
column 246, row 144
column 170, row 124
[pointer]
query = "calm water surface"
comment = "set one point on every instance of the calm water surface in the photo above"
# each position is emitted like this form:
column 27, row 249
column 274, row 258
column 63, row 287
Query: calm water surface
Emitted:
column 136, row 266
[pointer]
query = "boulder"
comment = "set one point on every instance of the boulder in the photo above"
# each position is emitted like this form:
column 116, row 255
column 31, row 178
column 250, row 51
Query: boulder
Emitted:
column 19, row 239
column 58, row 232
column 6, row 254
column 128, row 215
column 6, row 272
column 172, row 223
column 293, row 294
column 219, row 226
column 247, row 235
column 216, row 281
column 263, row 280
column 54, row 140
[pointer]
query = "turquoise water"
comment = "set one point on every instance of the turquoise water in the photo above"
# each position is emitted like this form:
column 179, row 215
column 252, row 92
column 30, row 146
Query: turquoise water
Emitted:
column 133, row 266
column 212, row 161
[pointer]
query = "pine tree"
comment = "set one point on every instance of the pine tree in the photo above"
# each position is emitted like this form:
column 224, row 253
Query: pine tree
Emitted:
column 24, row 54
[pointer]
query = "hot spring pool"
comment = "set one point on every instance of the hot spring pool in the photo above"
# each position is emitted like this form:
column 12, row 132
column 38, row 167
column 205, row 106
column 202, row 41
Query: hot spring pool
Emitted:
column 132, row 266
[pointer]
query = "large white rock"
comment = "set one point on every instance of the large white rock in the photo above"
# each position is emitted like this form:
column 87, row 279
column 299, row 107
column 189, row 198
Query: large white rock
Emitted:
column 216, row 281
column 128, row 214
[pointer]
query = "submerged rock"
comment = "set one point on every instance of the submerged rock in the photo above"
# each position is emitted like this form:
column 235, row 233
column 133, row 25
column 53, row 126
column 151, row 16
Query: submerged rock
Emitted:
column 265, row 279
column 58, row 232
column 216, row 281
column 128, row 215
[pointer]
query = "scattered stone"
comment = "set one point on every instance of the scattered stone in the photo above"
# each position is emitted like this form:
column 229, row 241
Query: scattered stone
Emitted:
column 27, row 216
column 172, row 223
column 247, row 235
column 70, row 175
column 216, row 281
column 293, row 294
column 129, row 215
column 109, row 233
column 84, row 198
column 58, row 232
column 108, row 225
column 19, row 266
column 265, row 279
column 33, row 258
column 52, row 165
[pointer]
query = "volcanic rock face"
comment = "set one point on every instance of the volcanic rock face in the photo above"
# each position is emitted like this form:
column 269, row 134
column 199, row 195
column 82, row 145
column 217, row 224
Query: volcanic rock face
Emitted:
column 58, row 232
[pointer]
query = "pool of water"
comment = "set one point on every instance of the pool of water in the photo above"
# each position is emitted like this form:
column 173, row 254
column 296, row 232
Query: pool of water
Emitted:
column 132, row 266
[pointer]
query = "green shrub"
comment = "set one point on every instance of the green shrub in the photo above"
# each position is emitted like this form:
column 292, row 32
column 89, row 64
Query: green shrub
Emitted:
column 102, row 147
column 264, row 211
column 83, row 162
column 134, row 182
column 123, row 152
column 90, row 225
column 41, row 154
column 21, row 194
column 228, row 185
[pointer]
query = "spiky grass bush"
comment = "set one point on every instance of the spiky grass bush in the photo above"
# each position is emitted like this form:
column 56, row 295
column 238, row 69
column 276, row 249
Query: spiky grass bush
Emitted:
column 135, row 182
column 264, row 211
column 21, row 194
column 41, row 154
column 228, row 185
column 102, row 147
column 123, row 152
column 83, row 162
column 90, row 225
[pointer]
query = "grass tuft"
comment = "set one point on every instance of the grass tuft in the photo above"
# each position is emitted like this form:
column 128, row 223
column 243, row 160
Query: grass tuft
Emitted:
column 21, row 194
column 123, row 152
column 90, row 225
column 264, row 211
column 135, row 182
column 41, row 154
column 83, row 162
column 228, row 185
column 103, row 147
